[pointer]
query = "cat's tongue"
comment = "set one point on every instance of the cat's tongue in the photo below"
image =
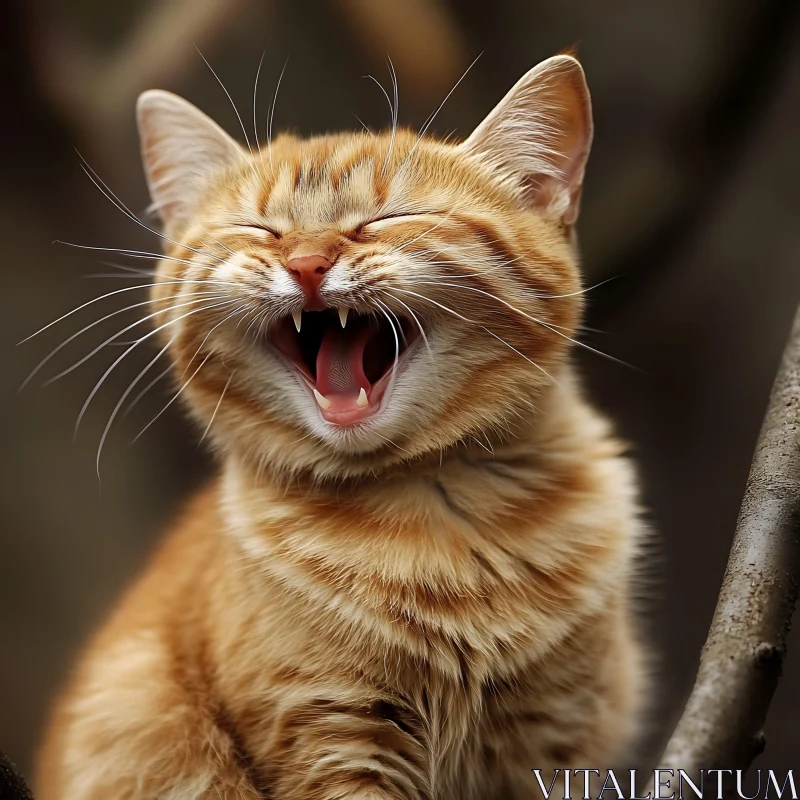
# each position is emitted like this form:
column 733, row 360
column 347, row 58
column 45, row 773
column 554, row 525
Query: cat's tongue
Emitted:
column 340, row 369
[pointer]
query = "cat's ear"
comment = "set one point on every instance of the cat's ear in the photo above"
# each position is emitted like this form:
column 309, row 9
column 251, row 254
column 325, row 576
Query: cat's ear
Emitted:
column 539, row 135
column 182, row 149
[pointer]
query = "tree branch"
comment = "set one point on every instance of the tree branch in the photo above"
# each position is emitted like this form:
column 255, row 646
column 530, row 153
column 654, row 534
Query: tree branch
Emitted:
column 741, row 661
column 12, row 784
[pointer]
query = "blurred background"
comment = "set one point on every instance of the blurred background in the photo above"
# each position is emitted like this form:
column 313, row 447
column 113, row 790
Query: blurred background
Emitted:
column 691, row 206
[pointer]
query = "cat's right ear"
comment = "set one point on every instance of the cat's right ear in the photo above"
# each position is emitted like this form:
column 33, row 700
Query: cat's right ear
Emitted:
column 182, row 149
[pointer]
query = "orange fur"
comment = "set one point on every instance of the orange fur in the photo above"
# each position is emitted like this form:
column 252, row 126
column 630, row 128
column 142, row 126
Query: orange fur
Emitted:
column 425, row 605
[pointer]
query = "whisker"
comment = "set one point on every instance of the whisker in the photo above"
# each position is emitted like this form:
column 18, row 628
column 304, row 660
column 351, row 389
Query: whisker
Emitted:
column 395, row 111
column 106, row 191
column 581, row 291
column 363, row 124
column 136, row 253
column 146, row 336
column 216, row 408
column 511, row 347
column 393, row 444
column 224, row 247
column 119, row 359
column 115, row 275
column 146, row 389
column 272, row 113
column 550, row 327
column 255, row 101
column 416, row 320
column 173, row 398
column 122, row 399
column 111, row 294
column 230, row 99
column 483, row 327
column 433, row 116
column 384, row 92
column 441, row 222
column 205, row 339
column 257, row 319
column 204, row 297
column 396, row 347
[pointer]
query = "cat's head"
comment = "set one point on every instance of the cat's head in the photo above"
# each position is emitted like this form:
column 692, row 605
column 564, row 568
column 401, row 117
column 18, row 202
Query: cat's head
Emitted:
column 340, row 303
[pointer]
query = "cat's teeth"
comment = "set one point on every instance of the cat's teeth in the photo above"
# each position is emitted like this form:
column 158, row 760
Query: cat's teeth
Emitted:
column 297, row 316
column 362, row 398
column 323, row 401
column 343, row 311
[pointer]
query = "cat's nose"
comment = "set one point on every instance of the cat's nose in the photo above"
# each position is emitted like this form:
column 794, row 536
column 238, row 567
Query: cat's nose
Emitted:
column 309, row 272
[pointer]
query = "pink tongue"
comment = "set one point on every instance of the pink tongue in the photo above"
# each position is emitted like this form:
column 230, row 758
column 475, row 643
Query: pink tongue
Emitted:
column 340, row 362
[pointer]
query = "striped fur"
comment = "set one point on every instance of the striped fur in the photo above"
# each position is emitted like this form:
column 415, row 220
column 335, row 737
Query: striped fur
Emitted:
column 424, row 606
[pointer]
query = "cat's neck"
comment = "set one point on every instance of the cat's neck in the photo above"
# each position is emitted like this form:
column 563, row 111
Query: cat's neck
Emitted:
column 463, row 486
column 458, row 540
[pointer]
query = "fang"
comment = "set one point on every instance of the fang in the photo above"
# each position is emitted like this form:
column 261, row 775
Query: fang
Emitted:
column 323, row 401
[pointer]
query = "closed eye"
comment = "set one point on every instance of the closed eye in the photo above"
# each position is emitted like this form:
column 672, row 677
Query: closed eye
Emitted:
column 257, row 229
column 401, row 217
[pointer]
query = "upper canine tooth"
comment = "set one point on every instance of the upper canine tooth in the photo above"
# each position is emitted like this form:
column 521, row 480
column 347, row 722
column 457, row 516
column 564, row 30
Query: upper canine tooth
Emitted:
column 323, row 401
column 297, row 316
column 362, row 398
column 343, row 311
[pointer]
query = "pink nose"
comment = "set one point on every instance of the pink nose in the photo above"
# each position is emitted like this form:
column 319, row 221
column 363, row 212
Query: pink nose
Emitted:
column 309, row 272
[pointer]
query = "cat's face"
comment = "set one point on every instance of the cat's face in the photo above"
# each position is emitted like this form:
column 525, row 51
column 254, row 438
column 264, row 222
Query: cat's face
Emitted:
column 348, row 301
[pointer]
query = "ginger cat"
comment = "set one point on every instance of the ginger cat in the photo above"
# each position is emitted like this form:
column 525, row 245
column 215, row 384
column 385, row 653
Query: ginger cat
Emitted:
column 412, row 578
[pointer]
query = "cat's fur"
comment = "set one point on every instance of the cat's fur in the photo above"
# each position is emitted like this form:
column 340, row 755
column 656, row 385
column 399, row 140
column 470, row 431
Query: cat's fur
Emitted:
column 425, row 604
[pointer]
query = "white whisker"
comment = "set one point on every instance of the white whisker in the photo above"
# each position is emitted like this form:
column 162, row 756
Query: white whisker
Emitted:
column 174, row 397
column 105, row 190
column 483, row 327
column 549, row 326
column 230, row 99
column 272, row 114
column 255, row 101
column 216, row 408
column 139, row 341
column 122, row 399
column 120, row 291
column 119, row 359
column 146, row 389
column 135, row 253
column 396, row 348
column 419, row 325
column 206, row 337
column 433, row 116
column 204, row 295
column 395, row 111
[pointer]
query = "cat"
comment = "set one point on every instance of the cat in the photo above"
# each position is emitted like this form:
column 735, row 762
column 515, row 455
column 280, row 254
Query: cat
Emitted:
column 413, row 576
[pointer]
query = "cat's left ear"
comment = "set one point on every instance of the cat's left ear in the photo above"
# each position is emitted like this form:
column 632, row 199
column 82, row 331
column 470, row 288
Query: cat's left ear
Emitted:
column 182, row 151
column 539, row 135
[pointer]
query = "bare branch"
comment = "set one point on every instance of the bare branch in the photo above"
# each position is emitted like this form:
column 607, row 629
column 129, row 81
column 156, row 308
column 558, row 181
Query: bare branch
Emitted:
column 741, row 661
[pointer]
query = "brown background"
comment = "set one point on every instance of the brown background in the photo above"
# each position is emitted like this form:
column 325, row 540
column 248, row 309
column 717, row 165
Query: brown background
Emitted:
column 691, row 205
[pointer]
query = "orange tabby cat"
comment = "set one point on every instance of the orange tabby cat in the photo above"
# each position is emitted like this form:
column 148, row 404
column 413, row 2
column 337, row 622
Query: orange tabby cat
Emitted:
column 412, row 577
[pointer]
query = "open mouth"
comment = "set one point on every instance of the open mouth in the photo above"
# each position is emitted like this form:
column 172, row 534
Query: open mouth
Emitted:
column 346, row 359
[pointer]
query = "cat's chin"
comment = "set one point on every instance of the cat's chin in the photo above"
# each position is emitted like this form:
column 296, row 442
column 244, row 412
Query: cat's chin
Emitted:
column 348, row 362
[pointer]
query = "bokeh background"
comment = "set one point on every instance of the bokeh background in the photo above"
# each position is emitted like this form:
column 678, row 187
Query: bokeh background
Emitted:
column 691, row 207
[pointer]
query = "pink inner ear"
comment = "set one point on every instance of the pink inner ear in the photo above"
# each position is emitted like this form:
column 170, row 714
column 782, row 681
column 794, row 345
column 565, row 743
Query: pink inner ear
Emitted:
column 541, row 133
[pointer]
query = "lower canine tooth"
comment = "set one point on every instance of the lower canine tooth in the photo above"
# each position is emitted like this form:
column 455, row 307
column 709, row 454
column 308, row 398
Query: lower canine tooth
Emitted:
column 323, row 401
column 362, row 398
column 343, row 311
column 297, row 316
